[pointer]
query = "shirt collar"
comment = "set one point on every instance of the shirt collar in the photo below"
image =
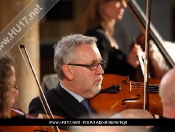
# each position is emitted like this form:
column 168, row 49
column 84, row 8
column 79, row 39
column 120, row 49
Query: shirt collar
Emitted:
column 76, row 96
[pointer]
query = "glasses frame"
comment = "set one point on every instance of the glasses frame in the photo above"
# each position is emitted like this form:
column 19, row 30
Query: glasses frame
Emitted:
column 89, row 66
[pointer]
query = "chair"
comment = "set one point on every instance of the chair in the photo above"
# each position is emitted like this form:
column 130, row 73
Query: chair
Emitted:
column 50, row 81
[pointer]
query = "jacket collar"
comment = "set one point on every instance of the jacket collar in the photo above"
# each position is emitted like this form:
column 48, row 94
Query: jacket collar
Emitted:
column 69, row 101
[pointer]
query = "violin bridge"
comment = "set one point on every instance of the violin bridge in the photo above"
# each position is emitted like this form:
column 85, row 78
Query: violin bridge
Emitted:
column 130, row 87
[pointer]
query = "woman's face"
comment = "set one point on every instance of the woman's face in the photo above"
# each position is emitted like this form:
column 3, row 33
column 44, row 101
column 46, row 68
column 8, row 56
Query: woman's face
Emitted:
column 114, row 9
column 14, row 91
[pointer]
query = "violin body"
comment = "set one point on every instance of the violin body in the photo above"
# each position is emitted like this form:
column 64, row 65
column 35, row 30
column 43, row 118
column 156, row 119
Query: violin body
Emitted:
column 26, row 129
column 18, row 113
column 155, row 100
column 130, row 96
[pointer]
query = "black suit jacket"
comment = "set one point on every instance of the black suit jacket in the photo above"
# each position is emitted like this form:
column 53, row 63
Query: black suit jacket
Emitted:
column 61, row 103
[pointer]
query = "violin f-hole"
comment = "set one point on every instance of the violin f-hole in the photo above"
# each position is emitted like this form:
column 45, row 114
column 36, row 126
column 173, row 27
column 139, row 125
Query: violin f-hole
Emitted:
column 130, row 99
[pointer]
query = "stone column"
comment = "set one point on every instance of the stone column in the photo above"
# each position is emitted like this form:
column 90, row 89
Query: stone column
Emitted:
column 27, row 86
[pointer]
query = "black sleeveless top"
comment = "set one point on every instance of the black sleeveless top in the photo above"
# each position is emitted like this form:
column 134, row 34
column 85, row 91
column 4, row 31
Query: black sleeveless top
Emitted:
column 115, row 60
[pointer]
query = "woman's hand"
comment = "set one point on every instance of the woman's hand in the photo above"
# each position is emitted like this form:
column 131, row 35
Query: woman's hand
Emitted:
column 133, row 56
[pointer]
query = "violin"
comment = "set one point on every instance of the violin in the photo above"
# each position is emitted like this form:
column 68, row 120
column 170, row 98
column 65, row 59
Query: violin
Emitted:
column 27, row 129
column 119, row 93
column 18, row 113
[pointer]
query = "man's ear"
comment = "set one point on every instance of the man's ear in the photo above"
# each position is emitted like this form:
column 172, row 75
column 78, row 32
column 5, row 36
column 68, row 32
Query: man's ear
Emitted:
column 67, row 70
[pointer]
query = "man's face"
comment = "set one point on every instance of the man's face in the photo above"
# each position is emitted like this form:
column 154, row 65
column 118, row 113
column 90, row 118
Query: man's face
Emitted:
column 87, row 82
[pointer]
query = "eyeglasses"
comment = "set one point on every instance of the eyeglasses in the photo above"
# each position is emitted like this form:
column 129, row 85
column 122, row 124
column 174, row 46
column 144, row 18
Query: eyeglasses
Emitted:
column 92, row 67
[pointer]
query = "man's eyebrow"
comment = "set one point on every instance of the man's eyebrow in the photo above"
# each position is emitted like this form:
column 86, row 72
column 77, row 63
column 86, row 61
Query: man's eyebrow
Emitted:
column 96, row 61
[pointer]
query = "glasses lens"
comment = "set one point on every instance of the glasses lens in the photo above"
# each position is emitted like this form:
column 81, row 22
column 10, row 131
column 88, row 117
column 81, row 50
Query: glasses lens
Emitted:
column 102, row 64
column 93, row 66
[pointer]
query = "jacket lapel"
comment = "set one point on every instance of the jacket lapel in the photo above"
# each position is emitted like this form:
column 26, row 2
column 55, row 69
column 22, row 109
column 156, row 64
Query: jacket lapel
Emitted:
column 71, row 102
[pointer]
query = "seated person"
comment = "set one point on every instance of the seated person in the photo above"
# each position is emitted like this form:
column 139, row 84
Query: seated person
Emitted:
column 8, row 88
column 167, row 95
column 78, row 64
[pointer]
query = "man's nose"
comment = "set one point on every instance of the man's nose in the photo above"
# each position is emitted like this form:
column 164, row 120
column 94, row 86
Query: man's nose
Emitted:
column 100, row 69
column 15, row 92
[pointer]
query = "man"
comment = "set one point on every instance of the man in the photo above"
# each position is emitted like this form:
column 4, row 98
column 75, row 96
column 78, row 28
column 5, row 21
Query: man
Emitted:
column 167, row 95
column 78, row 64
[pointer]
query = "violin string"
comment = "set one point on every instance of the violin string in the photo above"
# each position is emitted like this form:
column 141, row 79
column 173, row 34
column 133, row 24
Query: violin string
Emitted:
column 153, row 88
column 140, row 84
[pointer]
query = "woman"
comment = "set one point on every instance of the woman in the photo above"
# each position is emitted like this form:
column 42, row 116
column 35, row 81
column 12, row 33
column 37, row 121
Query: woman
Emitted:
column 98, row 20
column 8, row 94
column 8, row 88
